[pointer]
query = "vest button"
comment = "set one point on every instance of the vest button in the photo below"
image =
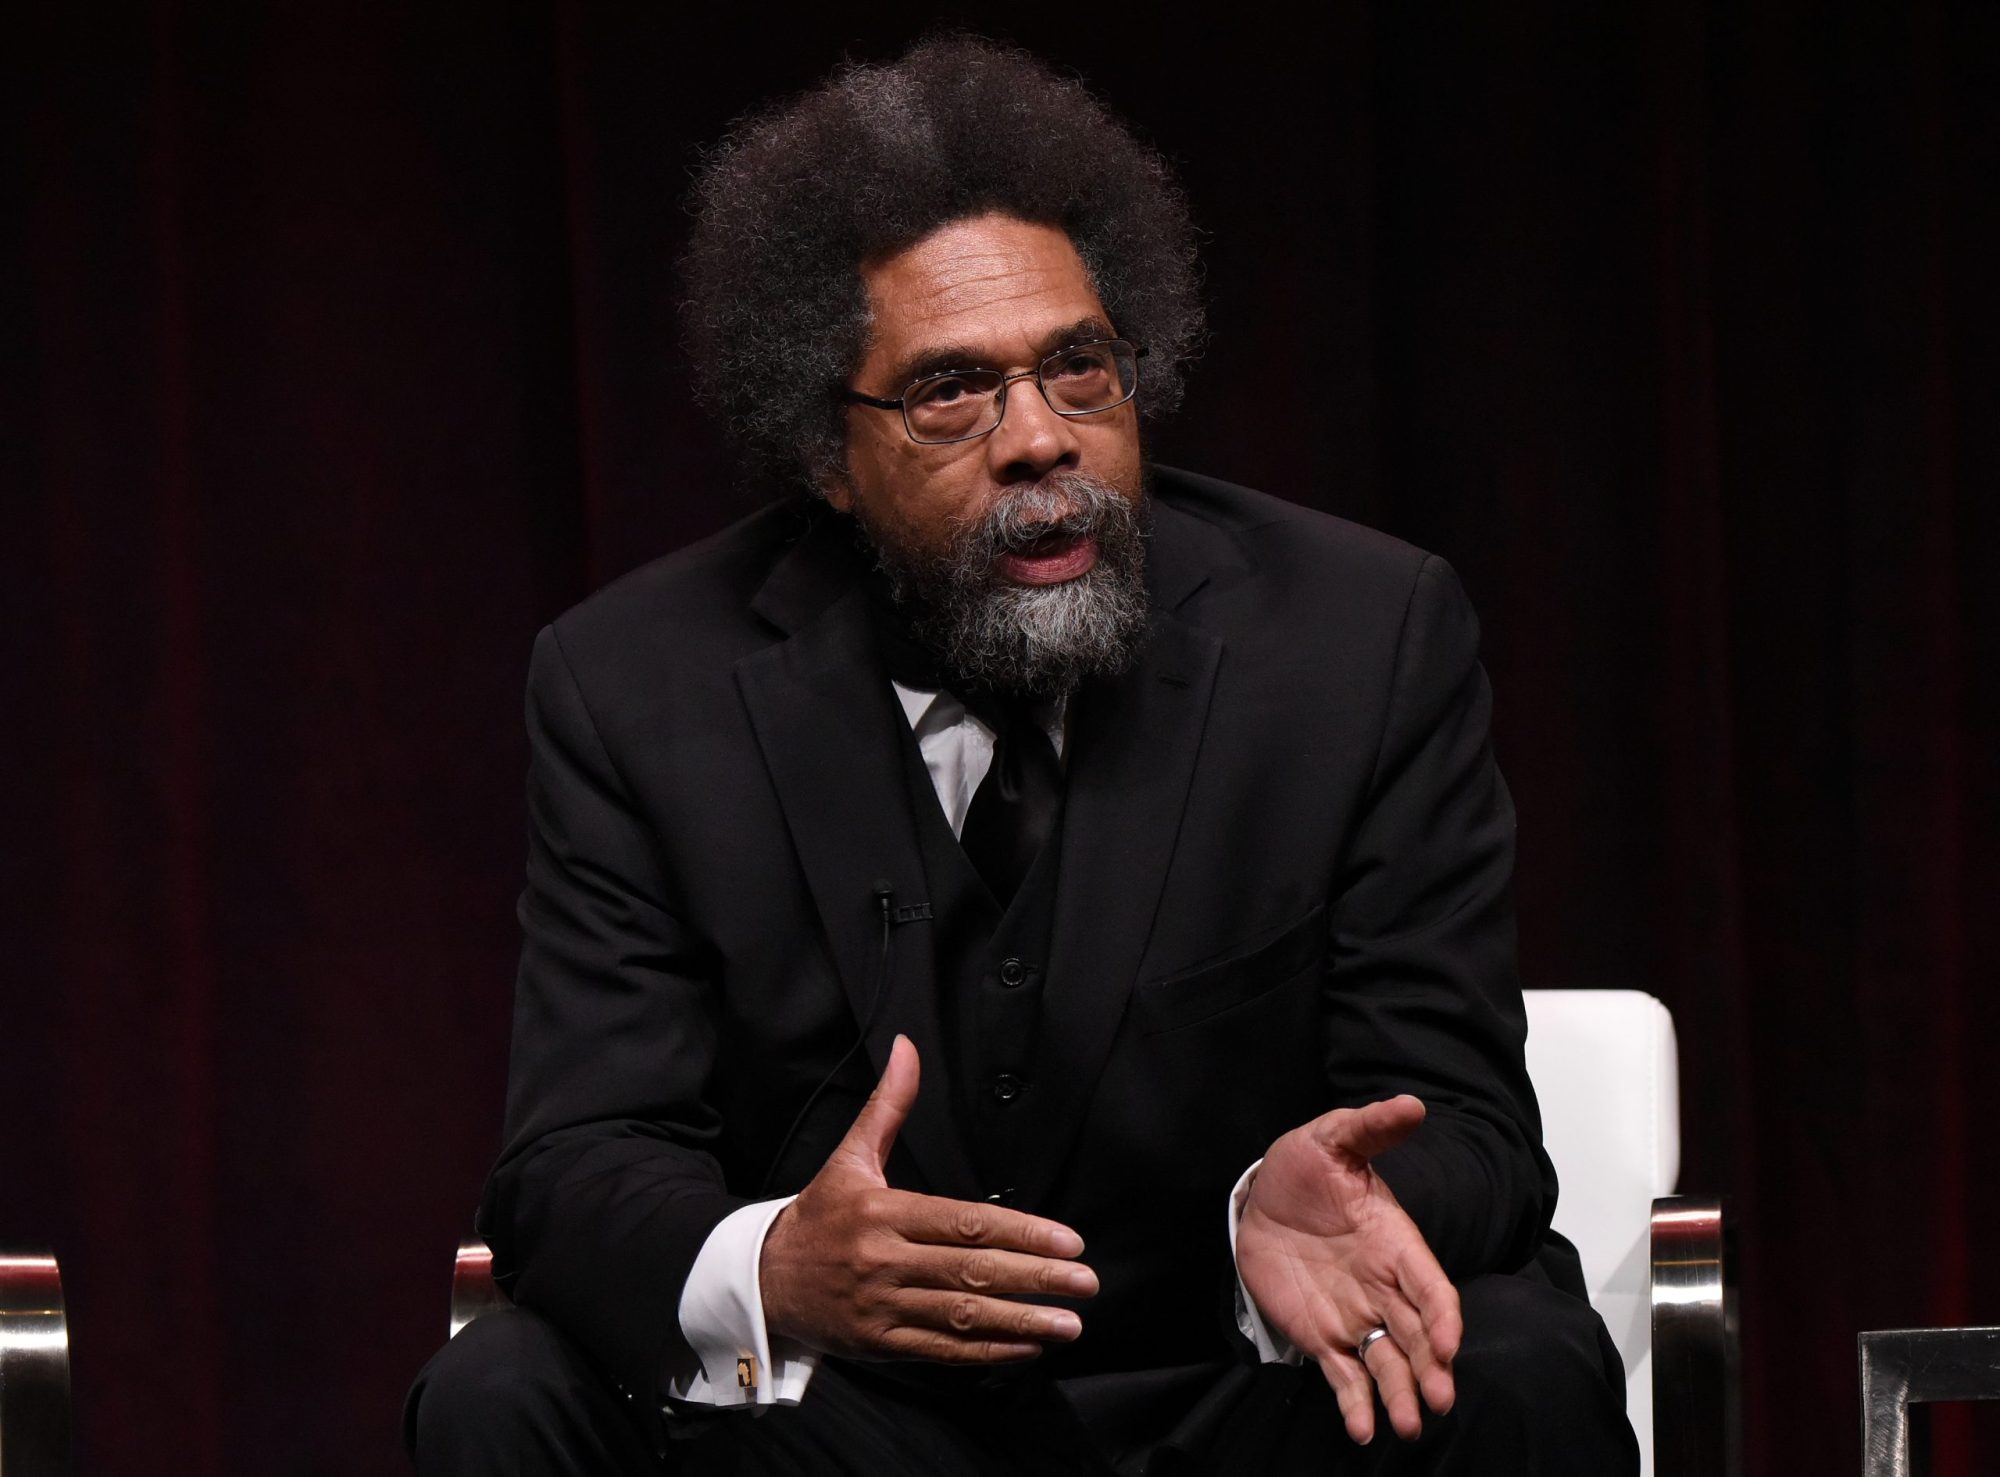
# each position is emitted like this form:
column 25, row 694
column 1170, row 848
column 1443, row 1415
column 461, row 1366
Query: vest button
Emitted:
column 1007, row 1087
column 1012, row 972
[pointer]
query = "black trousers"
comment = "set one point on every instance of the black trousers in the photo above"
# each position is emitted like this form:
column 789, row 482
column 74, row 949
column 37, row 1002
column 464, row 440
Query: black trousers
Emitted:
column 1540, row 1390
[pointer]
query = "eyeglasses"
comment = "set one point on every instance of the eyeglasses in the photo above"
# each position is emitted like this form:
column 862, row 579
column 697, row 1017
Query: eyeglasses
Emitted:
column 959, row 404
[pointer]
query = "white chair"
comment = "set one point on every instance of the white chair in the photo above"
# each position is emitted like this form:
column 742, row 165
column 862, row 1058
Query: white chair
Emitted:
column 1605, row 1065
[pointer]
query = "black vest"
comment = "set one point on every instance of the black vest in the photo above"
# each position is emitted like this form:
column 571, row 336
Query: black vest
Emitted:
column 990, row 969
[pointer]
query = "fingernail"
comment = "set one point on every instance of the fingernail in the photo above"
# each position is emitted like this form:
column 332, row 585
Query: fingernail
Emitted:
column 1083, row 1281
column 1062, row 1325
column 1066, row 1242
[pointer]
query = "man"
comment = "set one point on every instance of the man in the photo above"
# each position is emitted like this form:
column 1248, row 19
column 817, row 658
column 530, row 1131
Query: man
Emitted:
column 1083, row 886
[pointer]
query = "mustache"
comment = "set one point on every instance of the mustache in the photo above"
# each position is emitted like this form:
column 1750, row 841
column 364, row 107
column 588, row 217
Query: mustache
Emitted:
column 1063, row 505
column 996, row 635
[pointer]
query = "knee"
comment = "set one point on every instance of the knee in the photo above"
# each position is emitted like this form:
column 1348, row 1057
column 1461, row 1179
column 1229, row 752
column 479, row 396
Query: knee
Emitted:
column 1537, row 1361
column 1522, row 1336
column 503, row 1375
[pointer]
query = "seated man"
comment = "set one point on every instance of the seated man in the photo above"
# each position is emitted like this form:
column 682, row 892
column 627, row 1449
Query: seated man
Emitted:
column 1018, row 970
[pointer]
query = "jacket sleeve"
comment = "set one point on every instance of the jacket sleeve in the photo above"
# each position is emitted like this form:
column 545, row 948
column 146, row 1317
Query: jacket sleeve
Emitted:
column 606, row 1189
column 1422, row 990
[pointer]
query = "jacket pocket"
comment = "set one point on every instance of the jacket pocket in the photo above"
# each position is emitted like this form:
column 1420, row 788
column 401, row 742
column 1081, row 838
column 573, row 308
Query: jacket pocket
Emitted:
column 1194, row 995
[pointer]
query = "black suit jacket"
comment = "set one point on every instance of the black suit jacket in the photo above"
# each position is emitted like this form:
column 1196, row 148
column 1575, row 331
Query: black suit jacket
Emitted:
column 1284, row 888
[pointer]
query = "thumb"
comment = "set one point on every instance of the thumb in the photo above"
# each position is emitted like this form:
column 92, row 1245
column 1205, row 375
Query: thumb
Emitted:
column 875, row 1127
column 1375, row 1129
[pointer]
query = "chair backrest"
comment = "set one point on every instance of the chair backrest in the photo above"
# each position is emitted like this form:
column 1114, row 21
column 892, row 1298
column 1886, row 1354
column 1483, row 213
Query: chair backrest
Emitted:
column 1605, row 1066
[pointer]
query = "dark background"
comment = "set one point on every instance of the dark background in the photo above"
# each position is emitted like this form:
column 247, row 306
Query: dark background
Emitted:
column 340, row 356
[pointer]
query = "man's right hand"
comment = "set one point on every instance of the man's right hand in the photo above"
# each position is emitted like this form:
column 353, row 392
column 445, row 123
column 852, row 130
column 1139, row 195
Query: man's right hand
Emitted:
column 855, row 1268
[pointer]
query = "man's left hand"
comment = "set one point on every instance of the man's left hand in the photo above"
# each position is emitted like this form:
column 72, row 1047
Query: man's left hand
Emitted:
column 1329, row 1255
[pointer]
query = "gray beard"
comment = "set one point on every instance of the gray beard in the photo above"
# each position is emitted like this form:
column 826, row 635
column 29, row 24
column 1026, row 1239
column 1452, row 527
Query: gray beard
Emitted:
column 1038, row 641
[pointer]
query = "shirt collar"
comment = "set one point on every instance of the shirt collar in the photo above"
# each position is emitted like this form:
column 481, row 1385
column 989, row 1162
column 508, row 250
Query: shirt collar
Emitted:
column 919, row 703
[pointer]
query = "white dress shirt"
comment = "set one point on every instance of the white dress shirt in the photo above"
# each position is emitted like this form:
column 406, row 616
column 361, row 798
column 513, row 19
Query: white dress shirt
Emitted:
column 722, row 1304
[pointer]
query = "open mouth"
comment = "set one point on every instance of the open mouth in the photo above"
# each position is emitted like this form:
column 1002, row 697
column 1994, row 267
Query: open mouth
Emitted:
column 1050, row 559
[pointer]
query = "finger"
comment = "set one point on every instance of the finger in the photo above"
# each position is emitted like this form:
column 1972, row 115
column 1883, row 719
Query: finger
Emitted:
column 1430, row 1374
column 946, row 1348
column 991, row 1270
column 936, row 1221
column 1373, row 1129
column 875, row 1127
column 1397, row 1386
column 1436, row 1303
column 1354, row 1390
column 970, row 1316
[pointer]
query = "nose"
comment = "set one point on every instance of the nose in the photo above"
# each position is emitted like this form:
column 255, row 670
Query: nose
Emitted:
column 1031, row 440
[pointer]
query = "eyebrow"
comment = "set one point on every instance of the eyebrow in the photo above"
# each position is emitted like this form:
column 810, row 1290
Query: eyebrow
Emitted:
column 943, row 358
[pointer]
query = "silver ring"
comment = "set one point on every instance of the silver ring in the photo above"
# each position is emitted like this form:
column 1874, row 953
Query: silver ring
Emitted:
column 1368, row 1342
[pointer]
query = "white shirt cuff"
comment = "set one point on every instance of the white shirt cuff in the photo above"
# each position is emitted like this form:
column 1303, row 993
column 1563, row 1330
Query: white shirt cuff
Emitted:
column 722, row 1318
column 1272, row 1347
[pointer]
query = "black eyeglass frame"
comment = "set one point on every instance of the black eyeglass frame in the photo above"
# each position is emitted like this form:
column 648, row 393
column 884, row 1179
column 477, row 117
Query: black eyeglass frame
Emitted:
column 900, row 404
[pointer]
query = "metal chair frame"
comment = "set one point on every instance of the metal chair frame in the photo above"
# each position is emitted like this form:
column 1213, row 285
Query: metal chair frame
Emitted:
column 34, row 1366
column 1697, row 1384
column 1902, row 1367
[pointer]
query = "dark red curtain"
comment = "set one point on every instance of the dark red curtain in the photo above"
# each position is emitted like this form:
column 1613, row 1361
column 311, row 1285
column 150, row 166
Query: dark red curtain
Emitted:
column 340, row 355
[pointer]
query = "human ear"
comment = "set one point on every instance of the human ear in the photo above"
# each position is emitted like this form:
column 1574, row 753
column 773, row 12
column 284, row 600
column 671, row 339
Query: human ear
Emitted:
column 830, row 481
column 836, row 489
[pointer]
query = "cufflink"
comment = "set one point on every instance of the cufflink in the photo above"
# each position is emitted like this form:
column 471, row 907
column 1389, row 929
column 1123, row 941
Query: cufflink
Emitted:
column 746, row 1372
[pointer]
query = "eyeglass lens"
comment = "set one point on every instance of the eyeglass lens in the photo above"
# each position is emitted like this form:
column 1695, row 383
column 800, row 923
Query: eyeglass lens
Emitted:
column 967, row 403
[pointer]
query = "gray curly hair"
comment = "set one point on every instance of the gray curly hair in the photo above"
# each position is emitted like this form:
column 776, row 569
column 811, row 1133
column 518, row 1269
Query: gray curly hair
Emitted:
column 790, row 204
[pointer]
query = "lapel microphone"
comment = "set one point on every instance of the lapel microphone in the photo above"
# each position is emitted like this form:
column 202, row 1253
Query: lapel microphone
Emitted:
column 884, row 894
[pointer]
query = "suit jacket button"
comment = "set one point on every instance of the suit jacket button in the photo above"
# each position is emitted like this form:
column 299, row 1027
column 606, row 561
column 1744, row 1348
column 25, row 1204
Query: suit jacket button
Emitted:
column 1012, row 972
column 1007, row 1087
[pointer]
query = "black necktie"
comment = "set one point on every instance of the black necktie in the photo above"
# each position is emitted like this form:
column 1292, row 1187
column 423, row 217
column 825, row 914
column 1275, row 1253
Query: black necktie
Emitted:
column 1014, row 810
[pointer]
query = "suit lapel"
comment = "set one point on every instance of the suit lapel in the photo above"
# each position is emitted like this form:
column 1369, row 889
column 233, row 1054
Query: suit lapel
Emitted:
column 825, row 719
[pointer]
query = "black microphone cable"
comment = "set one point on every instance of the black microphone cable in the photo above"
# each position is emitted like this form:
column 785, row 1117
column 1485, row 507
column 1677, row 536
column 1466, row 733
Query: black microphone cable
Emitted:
column 884, row 893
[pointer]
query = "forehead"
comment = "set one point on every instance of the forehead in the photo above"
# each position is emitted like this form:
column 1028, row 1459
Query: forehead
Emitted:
column 992, row 282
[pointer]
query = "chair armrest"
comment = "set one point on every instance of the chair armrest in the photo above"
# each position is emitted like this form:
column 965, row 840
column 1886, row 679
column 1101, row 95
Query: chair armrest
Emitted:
column 473, row 1291
column 1697, row 1415
column 34, row 1366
